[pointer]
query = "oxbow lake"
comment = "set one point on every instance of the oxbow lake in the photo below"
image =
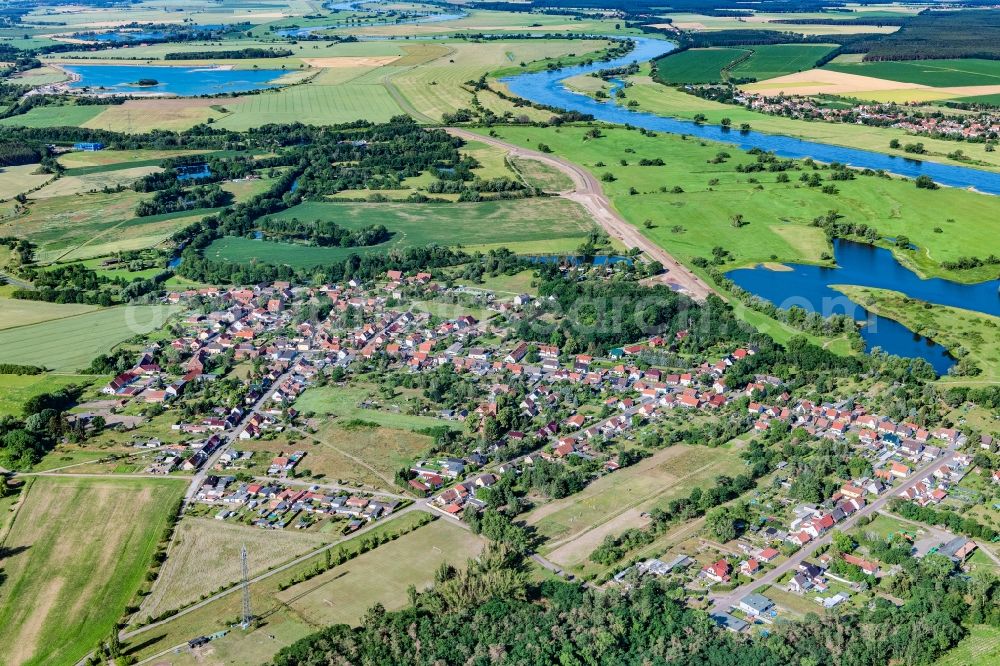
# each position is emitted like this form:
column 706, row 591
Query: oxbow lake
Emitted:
column 806, row 286
column 182, row 81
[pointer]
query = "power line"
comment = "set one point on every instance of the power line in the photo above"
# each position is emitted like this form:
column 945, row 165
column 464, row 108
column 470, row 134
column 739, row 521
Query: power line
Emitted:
column 247, row 614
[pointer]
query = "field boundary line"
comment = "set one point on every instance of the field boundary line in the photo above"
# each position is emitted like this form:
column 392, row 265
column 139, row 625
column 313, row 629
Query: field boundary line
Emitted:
column 17, row 512
column 555, row 545
column 126, row 635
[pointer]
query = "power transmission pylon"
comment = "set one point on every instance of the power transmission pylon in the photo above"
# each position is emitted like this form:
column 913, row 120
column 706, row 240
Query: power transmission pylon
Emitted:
column 247, row 614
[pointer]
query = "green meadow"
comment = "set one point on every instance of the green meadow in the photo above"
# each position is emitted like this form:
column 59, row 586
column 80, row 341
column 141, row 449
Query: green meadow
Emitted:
column 531, row 225
column 945, row 224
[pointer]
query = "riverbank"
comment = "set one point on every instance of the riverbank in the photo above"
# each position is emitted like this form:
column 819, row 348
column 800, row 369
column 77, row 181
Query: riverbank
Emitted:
column 664, row 100
column 972, row 337
column 547, row 88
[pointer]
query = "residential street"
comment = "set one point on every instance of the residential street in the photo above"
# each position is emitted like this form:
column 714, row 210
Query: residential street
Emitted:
column 726, row 600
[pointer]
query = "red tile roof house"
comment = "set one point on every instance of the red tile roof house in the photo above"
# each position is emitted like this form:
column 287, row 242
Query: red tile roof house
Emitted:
column 718, row 571
column 750, row 567
column 768, row 554
column 870, row 568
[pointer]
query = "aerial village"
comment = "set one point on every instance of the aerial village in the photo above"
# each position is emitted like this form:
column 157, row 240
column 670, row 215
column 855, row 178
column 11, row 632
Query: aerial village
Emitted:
column 581, row 410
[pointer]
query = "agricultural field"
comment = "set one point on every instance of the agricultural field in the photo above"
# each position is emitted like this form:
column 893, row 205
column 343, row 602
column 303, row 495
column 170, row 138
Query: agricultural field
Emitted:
column 93, row 182
column 934, row 73
column 202, row 12
column 712, row 65
column 768, row 21
column 530, row 225
column 692, row 222
column 90, row 224
column 15, row 390
column 71, row 343
column 979, row 648
column 278, row 621
column 17, row 179
column 440, row 86
column 79, row 550
column 773, row 60
column 55, row 116
column 78, row 160
column 344, row 593
column 205, row 555
column 494, row 22
column 697, row 65
column 18, row 312
column 576, row 525
column 313, row 103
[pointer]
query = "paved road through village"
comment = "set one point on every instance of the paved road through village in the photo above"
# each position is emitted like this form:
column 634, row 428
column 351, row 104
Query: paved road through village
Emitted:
column 727, row 600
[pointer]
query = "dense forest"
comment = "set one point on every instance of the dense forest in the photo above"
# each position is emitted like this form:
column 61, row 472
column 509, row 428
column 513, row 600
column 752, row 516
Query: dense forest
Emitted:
column 323, row 232
column 489, row 615
column 957, row 34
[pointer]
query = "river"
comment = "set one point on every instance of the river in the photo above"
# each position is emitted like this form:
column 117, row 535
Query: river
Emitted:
column 806, row 286
column 546, row 87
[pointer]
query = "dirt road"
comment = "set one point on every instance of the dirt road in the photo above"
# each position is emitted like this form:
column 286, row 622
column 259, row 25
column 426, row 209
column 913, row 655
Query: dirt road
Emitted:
column 588, row 193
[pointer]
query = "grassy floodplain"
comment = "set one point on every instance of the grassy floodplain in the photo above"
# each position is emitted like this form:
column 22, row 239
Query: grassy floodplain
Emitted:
column 81, row 548
column 692, row 222
column 531, row 225
column 960, row 331
column 71, row 343
column 667, row 101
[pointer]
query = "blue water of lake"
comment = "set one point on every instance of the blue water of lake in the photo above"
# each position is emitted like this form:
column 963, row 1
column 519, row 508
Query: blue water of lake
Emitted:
column 182, row 81
column 866, row 266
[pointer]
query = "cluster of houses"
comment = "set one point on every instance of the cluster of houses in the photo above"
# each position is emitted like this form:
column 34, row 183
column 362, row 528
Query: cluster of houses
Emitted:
column 980, row 125
column 271, row 505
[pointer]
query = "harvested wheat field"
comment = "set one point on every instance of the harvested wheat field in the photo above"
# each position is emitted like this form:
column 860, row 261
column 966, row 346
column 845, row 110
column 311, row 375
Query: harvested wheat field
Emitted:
column 335, row 62
column 205, row 555
column 825, row 81
column 79, row 550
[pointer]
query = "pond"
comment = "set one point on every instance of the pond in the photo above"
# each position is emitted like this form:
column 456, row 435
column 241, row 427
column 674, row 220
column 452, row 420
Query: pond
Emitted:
column 546, row 87
column 575, row 260
column 181, row 81
column 866, row 266
column 193, row 172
